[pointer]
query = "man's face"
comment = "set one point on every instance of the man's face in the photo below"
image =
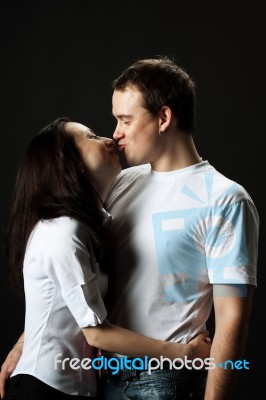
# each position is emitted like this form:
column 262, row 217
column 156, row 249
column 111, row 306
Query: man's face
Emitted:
column 137, row 130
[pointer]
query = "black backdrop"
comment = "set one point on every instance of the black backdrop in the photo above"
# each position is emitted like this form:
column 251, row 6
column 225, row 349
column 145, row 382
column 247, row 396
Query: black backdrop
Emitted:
column 59, row 57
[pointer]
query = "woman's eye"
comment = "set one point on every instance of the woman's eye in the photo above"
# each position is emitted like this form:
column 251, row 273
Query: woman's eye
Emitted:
column 94, row 137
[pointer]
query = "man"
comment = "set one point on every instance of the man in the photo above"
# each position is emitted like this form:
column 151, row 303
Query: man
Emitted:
column 185, row 236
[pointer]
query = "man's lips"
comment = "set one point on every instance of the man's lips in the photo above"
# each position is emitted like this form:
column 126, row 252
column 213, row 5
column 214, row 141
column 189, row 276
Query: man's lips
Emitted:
column 121, row 147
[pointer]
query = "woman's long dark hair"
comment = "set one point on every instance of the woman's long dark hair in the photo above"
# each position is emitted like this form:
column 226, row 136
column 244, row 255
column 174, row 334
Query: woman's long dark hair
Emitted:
column 49, row 184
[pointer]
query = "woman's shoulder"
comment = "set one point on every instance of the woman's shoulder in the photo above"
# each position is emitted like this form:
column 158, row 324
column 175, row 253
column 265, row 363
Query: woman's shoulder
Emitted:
column 62, row 225
column 58, row 231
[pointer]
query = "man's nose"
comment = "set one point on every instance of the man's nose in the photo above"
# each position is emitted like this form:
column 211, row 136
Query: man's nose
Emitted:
column 117, row 133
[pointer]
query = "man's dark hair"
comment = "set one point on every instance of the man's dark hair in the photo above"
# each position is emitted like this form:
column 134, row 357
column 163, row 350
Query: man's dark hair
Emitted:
column 162, row 82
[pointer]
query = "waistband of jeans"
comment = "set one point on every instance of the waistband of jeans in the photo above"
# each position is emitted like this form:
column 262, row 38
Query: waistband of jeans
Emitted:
column 126, row 373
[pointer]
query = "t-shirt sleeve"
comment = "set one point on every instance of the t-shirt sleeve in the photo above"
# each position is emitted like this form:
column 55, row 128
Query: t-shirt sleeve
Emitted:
column 231, row 244
column 69, row 264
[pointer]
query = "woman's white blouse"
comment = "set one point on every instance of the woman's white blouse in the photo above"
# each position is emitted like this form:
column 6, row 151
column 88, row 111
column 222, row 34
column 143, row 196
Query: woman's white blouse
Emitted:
column 64, row 290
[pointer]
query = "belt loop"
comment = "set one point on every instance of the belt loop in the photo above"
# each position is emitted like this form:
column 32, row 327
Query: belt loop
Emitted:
column 129, row 374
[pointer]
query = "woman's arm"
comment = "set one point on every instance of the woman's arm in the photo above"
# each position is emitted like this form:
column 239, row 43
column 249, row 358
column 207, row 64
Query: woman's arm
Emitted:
column 119, row 340
column 115, row 339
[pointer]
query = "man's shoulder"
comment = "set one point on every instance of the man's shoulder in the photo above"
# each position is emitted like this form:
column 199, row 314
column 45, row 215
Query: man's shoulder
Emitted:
column 139, row 170
column 130, row 174
column 128, row 178
column 226, row 189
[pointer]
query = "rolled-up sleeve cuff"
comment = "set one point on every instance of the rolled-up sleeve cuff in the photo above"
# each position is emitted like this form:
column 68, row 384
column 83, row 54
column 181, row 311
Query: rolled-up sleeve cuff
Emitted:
column 86, row 304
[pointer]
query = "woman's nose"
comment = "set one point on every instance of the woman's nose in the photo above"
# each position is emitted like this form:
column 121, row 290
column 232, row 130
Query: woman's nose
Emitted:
column 109, row 142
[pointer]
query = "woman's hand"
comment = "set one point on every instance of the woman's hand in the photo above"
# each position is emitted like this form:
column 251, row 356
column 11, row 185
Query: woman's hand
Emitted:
column 9, row 365
column 200, row 346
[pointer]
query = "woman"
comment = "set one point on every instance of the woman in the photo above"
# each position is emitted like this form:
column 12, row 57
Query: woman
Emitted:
column 56, row 235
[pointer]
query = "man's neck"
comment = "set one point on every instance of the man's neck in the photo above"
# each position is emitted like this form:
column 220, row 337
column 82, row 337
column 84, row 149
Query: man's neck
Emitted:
column 178, row 153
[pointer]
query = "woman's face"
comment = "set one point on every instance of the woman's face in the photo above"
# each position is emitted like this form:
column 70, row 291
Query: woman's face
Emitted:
column 99, row 159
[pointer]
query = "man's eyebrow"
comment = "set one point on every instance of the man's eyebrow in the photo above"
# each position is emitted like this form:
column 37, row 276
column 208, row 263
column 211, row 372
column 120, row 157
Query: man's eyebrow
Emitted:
column 122, row 115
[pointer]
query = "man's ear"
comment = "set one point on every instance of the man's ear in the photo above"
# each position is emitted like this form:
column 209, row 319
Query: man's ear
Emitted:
column 166, row 116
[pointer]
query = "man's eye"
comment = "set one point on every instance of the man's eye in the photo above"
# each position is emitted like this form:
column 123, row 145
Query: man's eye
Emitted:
column 94, row 137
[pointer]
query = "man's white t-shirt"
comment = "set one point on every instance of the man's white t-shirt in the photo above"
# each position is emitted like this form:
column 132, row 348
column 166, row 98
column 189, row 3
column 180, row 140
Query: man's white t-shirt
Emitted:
column 176, row 234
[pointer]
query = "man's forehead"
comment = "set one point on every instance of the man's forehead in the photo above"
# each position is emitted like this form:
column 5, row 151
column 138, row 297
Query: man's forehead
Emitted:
column 127, row 99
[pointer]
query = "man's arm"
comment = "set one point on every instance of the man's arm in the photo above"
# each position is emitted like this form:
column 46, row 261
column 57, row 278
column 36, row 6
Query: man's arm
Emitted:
column 232, row 308
column 10, row 363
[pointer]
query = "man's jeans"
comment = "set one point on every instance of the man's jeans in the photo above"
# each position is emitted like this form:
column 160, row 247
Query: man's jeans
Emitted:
column 160, row 384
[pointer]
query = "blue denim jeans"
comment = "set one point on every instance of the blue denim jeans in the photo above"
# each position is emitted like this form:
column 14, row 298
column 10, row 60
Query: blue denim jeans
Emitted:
column 161, row 384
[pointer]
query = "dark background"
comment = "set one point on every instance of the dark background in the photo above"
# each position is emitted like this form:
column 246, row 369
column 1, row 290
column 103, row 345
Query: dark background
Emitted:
column 59, row 57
